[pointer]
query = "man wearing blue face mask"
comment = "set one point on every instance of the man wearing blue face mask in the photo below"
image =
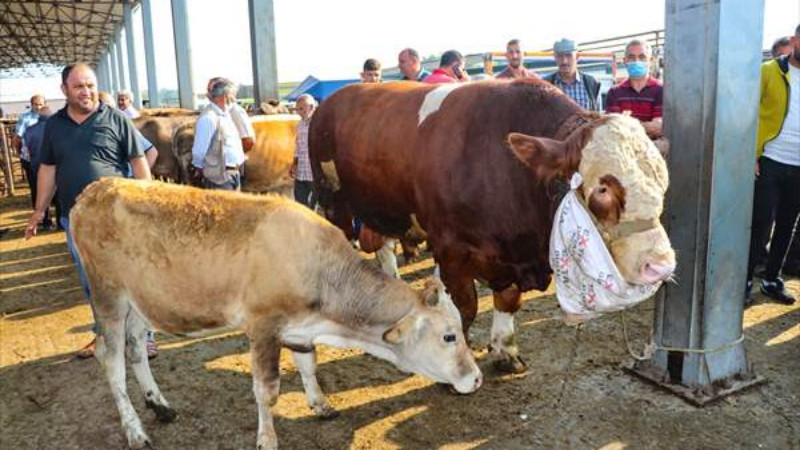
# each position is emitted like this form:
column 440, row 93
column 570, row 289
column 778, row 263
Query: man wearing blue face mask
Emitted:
column 640, row 94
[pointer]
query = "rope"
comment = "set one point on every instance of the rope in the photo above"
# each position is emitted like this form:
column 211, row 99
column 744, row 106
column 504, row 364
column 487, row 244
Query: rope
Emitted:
column 651, row 347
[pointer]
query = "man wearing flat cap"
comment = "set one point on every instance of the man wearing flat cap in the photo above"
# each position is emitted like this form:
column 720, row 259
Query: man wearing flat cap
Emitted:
column 580, row 87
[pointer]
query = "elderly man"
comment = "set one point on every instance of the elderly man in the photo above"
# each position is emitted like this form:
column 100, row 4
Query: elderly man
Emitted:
column 451, row 69
column 33, row 140
column 300, row 170
column 777, row 190
column 217, row 152
column 125, row 104
column 24, row 122
column 516, row 62
column 82, row 142
column 640, row 94
column 410, row 65
column 581, row 87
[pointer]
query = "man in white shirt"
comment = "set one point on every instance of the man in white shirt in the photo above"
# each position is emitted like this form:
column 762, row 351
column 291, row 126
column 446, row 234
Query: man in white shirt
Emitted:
column 777, row 191
column 125, row 104
column 216, row 128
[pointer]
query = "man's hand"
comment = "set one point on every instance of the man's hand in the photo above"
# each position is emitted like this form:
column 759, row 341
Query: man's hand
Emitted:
column 247, row 143
column 653, row 128
column 34, row 221
column 293, row 171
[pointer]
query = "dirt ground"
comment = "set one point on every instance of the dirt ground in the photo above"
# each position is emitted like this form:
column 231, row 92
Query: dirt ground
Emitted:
column 574, row 396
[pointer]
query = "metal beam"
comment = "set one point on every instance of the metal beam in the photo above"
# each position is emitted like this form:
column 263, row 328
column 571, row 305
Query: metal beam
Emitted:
column 150, row 55
column 711, row 112
column 262, row 45
column 123, row 83
column 183, row 53
column 133, row 69
column 112, row 56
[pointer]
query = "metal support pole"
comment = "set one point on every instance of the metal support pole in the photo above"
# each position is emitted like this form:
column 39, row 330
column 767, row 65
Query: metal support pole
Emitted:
column 150, row 55
column 112, row 56
column 106, row 61
column 183, row 53
column 127, row 10
column 123, row 83
column 262, row 45
column 711, row 104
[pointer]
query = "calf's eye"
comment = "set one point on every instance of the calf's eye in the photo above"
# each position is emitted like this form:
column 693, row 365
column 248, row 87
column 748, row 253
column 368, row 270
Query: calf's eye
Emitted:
column 449, row 337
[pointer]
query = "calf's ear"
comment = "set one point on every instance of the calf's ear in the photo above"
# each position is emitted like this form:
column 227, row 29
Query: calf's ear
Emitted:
column 545, row 157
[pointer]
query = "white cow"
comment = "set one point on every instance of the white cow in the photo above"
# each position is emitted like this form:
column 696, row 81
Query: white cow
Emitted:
column 184, row 260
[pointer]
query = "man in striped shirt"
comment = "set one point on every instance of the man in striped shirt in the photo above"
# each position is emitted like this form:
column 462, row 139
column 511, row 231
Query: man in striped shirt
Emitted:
column 300, row 170
column 640, row 94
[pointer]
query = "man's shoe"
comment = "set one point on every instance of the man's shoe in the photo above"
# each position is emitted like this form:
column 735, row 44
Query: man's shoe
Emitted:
column 777, row 291
column 748, row 294
column 86, row 352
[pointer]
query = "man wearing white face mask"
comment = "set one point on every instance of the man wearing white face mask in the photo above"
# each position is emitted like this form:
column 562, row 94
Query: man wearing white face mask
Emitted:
column 640, row 94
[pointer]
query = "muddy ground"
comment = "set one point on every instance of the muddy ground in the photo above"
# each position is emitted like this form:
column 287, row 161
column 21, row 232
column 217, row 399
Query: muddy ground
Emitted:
column 575, row 394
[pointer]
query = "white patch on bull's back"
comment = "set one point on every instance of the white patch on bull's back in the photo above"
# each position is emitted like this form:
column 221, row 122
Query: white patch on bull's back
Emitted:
column 433, row 100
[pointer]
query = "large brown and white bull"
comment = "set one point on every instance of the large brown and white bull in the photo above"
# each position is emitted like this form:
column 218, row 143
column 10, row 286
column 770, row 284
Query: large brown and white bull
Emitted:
column 264, row 264
column 481, row 167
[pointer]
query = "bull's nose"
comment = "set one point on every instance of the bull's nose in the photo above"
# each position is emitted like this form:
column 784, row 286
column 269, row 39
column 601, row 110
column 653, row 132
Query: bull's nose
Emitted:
column 652, row 272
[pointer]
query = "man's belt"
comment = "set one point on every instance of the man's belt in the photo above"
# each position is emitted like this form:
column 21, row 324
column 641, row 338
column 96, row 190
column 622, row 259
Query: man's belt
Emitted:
column 232, row 168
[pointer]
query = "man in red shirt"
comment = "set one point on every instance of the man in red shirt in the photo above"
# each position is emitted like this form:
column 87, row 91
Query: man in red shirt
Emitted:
column 451, row 69
column 640, row 94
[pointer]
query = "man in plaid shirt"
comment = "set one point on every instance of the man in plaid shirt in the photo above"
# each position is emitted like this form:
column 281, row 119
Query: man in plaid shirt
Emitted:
column 580, row 87
column 300, row 170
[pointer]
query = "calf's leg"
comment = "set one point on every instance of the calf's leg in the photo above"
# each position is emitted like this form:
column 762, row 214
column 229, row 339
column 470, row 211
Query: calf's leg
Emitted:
column 265, row 348
column 110, row 351
column 504, row 338
column 136, row 349
column 387, row 258
column 307, row 366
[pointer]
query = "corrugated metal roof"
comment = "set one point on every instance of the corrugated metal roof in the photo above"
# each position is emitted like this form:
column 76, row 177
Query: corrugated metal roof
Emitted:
column 38, row 37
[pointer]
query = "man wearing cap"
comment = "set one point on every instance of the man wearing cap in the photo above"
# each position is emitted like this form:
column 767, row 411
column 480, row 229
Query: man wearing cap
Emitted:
column 515, row 67
column 640, row 94
column 578, row 86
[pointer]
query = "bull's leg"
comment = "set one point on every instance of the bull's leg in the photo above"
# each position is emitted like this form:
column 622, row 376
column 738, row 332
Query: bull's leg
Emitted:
column 136, row 349
column 387, row 258
column 110, row 351
column 504, row 338
column 307, row 366
column 461, row 288
column 266, row 349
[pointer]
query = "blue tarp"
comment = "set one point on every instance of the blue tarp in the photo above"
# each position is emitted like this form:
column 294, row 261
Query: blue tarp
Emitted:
column 319, row 89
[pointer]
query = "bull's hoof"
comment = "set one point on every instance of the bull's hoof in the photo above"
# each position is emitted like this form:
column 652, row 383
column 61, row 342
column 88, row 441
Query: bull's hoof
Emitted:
column 325, row 412
column 164, row 414
column 511, row 364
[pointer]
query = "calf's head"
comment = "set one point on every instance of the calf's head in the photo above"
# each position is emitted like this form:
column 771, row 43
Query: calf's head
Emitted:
column 624, row 182
column 429, row 341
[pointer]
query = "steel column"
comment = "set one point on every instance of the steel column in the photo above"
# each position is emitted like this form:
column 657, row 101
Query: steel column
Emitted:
column 149, row 55
column 127, row 9
column 123, row 83
column 262, row 45
column 711, row 110
column 112, row 55
column 183, row 53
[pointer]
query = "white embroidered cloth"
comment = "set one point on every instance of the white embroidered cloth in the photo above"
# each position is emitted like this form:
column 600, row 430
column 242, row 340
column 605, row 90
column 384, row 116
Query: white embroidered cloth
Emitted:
column 588, row 282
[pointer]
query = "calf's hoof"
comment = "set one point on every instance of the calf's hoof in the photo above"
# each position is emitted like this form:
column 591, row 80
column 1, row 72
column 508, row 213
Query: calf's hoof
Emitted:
column 139, row 441
column 164, row 414
column 510, row 364
column 325, row 412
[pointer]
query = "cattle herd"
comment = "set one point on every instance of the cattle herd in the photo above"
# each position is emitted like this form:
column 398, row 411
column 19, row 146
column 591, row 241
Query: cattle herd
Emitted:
column 478, row 170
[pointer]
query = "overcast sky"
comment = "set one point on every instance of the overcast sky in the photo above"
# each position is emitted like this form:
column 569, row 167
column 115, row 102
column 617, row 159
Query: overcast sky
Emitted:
column 331, row 39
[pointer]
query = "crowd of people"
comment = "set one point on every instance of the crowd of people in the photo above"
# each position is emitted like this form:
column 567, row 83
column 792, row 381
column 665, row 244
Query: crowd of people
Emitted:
column 93, row 136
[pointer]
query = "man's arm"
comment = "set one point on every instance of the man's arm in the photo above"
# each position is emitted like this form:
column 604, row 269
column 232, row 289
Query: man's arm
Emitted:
column 151, row 154
column 203, row 132
column 141, row 171
column 45, row 188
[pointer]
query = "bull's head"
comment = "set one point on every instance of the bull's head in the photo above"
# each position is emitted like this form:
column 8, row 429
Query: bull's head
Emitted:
column 429, row 341
column 624, row 182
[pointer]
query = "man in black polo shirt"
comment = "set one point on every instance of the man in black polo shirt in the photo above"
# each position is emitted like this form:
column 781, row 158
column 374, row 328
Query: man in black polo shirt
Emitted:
column 82, row 142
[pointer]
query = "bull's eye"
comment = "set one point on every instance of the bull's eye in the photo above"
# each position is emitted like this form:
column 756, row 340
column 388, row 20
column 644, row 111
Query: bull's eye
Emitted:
column 449, row 337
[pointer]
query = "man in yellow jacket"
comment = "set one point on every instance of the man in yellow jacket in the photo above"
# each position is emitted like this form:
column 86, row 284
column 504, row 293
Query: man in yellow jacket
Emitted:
column 777, row 190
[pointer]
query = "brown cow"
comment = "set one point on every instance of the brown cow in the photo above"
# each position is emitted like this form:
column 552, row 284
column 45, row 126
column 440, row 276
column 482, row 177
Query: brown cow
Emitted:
column 158, row 130
column 264, row 264
column 485, row 196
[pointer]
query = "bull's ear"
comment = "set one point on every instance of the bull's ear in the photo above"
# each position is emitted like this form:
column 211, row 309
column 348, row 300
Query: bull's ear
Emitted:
column 545, row 157
column 432, row 292
column 399, row 331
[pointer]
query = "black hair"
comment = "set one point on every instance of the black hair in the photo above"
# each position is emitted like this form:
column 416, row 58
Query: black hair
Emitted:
column 68, row 70
column 372, row 64
column 449, row 57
